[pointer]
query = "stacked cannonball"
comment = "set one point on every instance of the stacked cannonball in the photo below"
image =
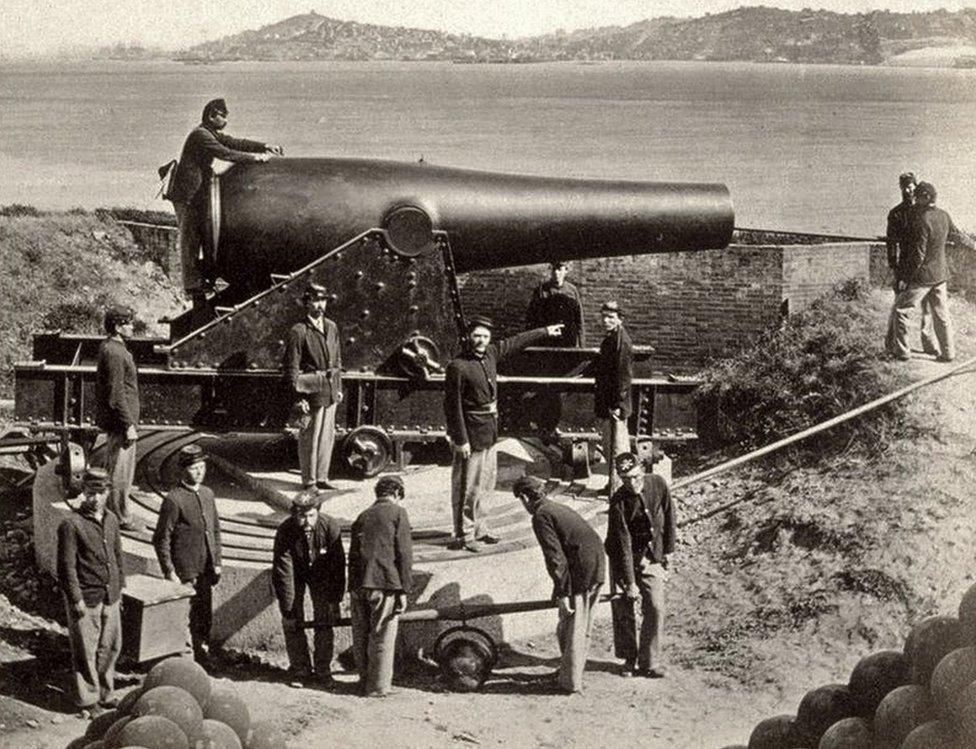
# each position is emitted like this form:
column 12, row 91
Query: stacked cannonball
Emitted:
column 179, row 707
column 921, row 698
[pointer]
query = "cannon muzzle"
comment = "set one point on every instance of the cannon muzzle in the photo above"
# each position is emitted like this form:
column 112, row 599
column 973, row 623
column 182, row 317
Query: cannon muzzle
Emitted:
column 278, row 216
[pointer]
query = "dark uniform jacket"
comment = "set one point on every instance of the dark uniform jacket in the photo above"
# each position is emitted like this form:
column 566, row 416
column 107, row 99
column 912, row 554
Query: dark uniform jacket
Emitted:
column 308, row 351
column 381, row 551
column 641, row 526
column 116, row 389
column 471, row 390
column 924, row 262
column 187, row 536
column 551, row 305
column 319, row 565
column 194, row 170
column 613, row 371
column 897, row 232
column 572, row 549
column 90, row 559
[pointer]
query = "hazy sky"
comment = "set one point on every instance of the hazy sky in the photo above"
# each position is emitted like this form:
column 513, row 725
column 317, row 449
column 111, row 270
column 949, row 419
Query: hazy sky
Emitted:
column 41, row 26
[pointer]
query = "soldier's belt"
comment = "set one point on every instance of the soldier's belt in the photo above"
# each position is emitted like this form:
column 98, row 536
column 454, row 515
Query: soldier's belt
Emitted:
column 486, row 409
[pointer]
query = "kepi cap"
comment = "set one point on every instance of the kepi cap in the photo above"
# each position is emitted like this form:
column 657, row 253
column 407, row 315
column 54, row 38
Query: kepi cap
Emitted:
column 480, row 321
column 190, row 454
column 627, row 462
column 305, row 500
column 906, row 178
column 388, row 485
column 529, row 486
column 96, row 478
column 214, row 106
column 611, row 306
column 118, row 315
column 315, row 291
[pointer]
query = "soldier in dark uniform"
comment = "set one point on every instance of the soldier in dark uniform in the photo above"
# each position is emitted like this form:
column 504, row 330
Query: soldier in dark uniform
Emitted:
column 557, row 301
column 575, row 562
column 896, row 243
column 308, row 555
column 187, row 542
column 117, row 410
column 313, row 366
column 640, row 535
column 471, row 411
column 613, row 373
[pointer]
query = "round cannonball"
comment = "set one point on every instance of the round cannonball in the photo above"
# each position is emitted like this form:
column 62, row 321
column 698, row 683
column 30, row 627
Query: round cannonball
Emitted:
column 950, row 678
column 928, row 643
column 183, row 673
column 219, row 735
column 849, row 733
column 152, row 732
column 111, row 735
column 465, row 664
column 967, row 616
column 819, row 709
column 965, row 716
column 902, row 710
column 97, row 728
column 773, row 733
column 873, row 677
column 126, row 703
column 174, row 704
column 265, row 736
column 936, row 734
column 226, row 706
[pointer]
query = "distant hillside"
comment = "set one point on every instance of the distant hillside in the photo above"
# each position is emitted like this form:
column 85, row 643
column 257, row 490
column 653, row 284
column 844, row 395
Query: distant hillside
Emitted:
column 758, row 34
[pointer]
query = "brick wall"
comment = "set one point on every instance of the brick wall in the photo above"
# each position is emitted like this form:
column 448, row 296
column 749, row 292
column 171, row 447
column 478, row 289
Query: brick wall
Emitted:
column 809, row 271
column 160, row 241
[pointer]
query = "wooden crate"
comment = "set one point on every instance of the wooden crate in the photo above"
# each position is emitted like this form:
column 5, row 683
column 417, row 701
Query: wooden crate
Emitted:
column 155, row 613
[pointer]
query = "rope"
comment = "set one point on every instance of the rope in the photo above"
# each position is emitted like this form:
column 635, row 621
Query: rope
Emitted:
column 816, row 235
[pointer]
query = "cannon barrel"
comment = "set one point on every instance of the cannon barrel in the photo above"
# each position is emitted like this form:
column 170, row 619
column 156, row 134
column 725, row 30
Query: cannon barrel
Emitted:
column 276, row 217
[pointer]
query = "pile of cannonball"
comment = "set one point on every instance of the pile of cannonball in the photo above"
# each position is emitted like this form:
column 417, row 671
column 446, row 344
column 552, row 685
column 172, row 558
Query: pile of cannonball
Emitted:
column 921, row 698
column 179, row 707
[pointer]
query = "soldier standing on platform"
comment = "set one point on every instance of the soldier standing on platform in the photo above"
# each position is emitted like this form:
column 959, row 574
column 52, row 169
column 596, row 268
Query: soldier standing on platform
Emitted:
column 380, row 573
column 117, row 410
column 187, row 541
column 575, row 562
column 91, row 577
column 640, row 535
column 471, row 410
column 313, row 366
column 308, row 554
column 557, row 301
column 613, row 373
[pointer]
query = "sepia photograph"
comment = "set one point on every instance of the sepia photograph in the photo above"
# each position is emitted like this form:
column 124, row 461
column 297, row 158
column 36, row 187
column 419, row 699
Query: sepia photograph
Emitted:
column 456, row 374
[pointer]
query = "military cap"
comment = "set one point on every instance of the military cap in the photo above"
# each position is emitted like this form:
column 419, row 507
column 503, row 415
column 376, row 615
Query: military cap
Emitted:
column 388, row 485
column 480, row 321
column 627, row 462
column 906, row 178
column 925, row 188
column 316, row 291
column 304, row 500
column 96, row 478
column 190, row 454
column 611, row 306
column 118, row 315
column 529, row 486
column 214, row 106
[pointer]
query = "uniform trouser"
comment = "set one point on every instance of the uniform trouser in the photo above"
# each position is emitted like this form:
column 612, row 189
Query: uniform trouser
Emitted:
column 573, row 633
column 96, row 640
column 315, row 441
column 937, row 299
column 374, row 632
column 120, row 462
column 187, row 222
column 201, row 613
column 472, row 479
column 616, row 440
column 650, row 581
column 929, row 343
column 296, row 642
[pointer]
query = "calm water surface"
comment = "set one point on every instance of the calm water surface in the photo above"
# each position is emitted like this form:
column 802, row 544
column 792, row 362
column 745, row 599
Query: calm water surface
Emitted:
column 801, row 147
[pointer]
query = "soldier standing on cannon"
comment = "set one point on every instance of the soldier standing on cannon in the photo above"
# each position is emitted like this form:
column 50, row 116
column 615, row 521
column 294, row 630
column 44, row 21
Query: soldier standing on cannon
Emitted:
column 557, row 301
column 471, row 410
column 380, row 573
column 187, row 542
column 640, row 535
column 91, row 577
column 117, row 410
column 575, row 562
column 313, row 365
column 613, row 373
column 308, row 555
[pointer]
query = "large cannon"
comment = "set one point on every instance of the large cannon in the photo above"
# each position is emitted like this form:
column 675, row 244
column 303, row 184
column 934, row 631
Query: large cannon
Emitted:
column 388, row 240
